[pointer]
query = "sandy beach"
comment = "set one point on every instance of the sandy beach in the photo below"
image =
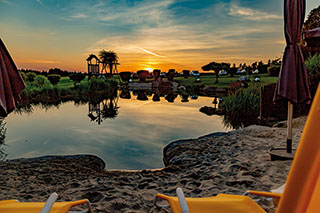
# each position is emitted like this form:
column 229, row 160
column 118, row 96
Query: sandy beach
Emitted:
column 230, row 162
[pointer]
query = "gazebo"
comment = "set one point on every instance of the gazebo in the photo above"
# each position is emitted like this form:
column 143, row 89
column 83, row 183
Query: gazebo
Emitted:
column 93, row 65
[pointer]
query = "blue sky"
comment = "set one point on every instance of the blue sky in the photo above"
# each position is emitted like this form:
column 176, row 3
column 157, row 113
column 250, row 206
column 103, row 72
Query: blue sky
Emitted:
column 180, row 34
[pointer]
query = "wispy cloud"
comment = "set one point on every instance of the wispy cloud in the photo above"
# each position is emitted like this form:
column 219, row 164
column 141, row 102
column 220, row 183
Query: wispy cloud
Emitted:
column 155, row 33
column 8, row 2
column 78, row 16
column 251, row 14
column 41, row 3
column 147, row 51
column 41, row 61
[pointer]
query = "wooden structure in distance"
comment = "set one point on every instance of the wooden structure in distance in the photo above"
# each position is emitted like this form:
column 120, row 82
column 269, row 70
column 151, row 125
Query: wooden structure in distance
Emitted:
column 93, row 65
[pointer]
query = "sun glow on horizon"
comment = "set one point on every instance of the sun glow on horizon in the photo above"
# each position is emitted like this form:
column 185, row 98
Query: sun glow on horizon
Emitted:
column 149, row 69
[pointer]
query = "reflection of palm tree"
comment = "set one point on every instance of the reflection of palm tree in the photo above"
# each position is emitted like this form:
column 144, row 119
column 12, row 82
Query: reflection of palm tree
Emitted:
column 110, row 108
column 108, row 58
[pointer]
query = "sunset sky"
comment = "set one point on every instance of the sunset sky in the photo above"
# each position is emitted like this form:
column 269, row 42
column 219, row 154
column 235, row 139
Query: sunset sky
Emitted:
column 179, row 34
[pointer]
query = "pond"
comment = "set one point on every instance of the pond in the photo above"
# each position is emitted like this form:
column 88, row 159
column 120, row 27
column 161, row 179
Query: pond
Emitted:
column 132, row 137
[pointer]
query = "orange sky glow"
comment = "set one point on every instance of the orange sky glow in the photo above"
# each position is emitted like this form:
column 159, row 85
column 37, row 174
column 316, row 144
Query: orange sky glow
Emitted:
column 146, row 34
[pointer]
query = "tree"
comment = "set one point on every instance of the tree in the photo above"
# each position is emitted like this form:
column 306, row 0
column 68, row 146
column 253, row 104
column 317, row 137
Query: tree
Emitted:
column 108, row 58
column 233, row 70
column 313, row 20
column 77, row 77
column 54, row 79
column 216, row 67
column 30, row 76
column 40, row 81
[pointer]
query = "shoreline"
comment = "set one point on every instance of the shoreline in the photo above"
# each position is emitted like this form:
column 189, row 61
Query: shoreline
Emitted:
column 231, row 162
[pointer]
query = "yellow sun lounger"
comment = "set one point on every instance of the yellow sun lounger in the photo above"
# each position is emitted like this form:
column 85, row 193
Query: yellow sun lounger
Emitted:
column 220, row 203
column 302, row 190
column 14, row 206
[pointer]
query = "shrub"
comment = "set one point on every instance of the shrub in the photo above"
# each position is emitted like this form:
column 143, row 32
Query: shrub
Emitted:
column 40, row 81
column 77, row 77
column 64, row 91
column 97, row 84
column 54, row 79
column 274, row 70
column 23, row 75
column 313, row 67
column 242, row 107
column 30, row 76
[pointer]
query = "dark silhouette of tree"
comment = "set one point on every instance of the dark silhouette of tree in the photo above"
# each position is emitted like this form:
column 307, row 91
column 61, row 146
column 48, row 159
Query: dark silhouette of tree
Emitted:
column 54, row 79
column 216, row 67
column 313, row 20
column 58, row 71
column 233, row 70
column 108, row 58
column 77, row 77
column 110, row 108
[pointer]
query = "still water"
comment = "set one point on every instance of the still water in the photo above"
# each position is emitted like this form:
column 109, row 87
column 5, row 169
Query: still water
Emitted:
column 133, row 139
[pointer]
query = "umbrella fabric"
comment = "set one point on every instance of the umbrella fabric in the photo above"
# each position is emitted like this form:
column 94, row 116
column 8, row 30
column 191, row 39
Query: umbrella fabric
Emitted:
column 11, row 83
column 293, row 84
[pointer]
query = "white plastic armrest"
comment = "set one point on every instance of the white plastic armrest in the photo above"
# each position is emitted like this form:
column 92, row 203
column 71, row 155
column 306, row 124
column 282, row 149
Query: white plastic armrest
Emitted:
column 48, row 205
column 279, row 190
column 182, row 201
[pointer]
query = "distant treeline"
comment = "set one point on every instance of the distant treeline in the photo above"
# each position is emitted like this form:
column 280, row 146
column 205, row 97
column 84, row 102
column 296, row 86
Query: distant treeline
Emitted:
column 56, row 71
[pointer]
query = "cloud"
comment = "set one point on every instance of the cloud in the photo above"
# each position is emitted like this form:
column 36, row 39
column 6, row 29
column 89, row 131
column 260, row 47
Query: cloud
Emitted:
column 147, row 51
column 251, row 14
column 41, row 3
column 8, row 2
column 78, row 16
column 40, row 61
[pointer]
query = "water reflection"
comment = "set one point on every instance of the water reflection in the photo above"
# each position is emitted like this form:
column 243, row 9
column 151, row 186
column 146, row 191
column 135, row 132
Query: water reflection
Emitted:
column 133, row 140
column 143, row 94
column 107, row 108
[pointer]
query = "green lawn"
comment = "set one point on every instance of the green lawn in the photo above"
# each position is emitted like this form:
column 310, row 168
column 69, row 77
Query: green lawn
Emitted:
column 224, row 81
column 206, row 80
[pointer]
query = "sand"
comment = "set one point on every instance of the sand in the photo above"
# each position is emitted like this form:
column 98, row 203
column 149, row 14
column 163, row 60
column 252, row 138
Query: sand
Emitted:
column 230, row 162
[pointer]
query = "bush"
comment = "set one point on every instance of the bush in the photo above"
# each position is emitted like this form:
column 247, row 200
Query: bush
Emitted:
column 40, row 81
column 30, row 76
column 313, row 67
column 274, row 70
column 77, row 77
column 64, row 91
column 54, row 79
column 97, row 84
column 23, row 75
column 242, row 107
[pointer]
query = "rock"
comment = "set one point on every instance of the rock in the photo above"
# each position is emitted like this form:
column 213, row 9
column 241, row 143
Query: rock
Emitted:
column 208, row 110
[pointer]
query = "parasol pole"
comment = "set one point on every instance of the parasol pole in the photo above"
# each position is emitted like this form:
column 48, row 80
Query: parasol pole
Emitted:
column 289, row 127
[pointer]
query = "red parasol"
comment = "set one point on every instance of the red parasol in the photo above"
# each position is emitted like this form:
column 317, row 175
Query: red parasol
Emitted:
column 293, row 84
column 11, row 83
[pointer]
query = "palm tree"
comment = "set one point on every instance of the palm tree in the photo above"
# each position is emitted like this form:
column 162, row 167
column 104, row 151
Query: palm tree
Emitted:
column 108, row 58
